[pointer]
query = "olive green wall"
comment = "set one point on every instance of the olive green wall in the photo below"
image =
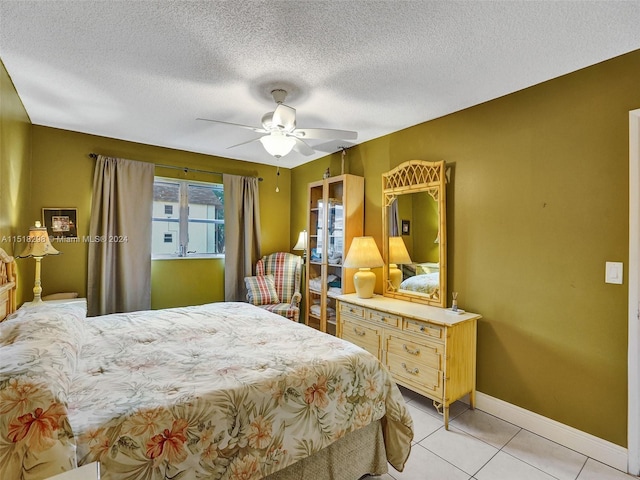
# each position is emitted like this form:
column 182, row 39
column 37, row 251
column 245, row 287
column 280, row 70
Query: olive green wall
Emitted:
column 538, row 201
column 63, row 177
column 15, row 169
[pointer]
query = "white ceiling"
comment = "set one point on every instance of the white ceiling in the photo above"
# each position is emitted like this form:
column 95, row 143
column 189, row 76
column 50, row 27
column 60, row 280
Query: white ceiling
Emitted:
column 143, row 71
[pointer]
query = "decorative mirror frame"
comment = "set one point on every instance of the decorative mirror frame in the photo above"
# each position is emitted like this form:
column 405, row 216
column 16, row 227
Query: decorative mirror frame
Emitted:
column 411, row 177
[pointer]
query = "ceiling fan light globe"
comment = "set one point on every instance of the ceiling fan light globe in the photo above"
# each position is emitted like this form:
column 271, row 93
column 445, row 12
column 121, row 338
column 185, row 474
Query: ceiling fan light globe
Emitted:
column 267, row 120
column 277, row 144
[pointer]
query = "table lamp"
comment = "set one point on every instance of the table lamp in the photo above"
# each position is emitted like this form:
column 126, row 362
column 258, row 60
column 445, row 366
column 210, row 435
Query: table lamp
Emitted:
column 398, row 254
column 301, row 244
column 38, row 246
column 364, row 255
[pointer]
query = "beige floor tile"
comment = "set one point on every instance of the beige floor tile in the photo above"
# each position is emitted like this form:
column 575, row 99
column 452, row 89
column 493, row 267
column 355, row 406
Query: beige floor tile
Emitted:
column 561, row 462
column 486, row 427
column 460, row 449
column 594, row 470
column 506, row 467
column 471, row 450
column 424, row 465
column 424, row 424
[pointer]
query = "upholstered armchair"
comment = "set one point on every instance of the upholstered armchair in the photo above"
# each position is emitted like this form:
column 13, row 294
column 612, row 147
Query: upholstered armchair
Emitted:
column 276, row 285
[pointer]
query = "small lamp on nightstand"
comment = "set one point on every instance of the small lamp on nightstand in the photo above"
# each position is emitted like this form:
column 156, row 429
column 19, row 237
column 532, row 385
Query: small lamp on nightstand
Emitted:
column 38, row 246
column 364, row 255
column 398, row 254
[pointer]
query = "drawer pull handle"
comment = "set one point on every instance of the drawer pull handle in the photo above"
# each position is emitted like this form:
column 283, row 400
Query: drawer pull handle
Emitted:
column 428, row 330
column 358, row 332
column 410, row 351
column 414, row 371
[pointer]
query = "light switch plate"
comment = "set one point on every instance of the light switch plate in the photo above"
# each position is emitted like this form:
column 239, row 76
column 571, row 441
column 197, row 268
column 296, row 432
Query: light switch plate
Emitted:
column 613, row 272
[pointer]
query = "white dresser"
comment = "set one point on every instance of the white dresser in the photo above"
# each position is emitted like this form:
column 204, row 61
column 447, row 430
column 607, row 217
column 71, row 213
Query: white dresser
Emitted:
column 430, row 350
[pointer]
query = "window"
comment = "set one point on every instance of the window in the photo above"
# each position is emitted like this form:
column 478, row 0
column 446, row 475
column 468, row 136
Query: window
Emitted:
column 188, row 218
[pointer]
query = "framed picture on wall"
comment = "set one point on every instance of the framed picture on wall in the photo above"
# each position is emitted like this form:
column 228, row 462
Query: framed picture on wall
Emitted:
column 61, row 222
column 406, row 227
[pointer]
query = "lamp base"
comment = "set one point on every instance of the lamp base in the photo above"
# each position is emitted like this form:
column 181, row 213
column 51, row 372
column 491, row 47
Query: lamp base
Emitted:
column 395, row 276
column 37, row 288
column 365, row 281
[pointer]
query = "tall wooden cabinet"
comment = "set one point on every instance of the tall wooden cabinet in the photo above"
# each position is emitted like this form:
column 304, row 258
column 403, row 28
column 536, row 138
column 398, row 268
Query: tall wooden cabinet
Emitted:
column 335, row 216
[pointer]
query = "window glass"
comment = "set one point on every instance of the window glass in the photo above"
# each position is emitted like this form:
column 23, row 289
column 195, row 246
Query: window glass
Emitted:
column 188, row 218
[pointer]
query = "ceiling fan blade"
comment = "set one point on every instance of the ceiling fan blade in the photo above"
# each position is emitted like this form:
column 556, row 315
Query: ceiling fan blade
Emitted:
column 302, row 147
column 325, row 133
column 248, row 127
column 284, row 117
column 248, row 141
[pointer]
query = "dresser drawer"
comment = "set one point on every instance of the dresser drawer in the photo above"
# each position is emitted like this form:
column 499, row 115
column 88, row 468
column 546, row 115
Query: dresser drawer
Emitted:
column 382, row 317
column 363, row 336
column 351, row 310
column 425, row 353
column 423, row 328
column 426, row 378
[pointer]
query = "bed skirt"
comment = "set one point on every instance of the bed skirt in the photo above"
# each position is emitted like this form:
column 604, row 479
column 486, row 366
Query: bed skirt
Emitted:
column 358, row 453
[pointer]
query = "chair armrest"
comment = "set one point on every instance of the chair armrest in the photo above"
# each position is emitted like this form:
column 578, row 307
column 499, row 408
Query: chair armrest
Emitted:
column 295, row 299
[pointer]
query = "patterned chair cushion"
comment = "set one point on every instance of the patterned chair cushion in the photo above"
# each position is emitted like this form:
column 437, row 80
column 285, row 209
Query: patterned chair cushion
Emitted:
column 285, row 310
column 261, row 290
column 285, row 268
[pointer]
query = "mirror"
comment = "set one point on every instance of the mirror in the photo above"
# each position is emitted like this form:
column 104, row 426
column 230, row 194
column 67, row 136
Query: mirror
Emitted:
column 415, row 232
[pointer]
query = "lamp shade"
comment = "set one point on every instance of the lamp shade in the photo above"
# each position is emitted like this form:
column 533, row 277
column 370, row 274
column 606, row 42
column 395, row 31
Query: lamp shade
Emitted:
column 363, row 253
column 277, row 144
column 398, row 251
column 301, row 244
column 38, row 244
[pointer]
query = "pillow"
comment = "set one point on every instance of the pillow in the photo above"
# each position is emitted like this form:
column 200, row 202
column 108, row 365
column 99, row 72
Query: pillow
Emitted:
column 429, row 267
column 261, row 290
column 60, row 296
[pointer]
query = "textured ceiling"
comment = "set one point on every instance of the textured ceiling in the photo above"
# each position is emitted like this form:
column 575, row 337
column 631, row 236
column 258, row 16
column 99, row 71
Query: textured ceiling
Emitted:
column 145, row 70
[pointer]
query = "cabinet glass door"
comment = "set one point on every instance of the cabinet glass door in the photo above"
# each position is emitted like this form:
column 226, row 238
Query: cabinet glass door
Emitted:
column 316, row 255
column 335, row 250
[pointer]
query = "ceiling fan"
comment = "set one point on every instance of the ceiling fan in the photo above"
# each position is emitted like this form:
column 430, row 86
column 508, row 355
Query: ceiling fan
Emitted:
column 280, row 134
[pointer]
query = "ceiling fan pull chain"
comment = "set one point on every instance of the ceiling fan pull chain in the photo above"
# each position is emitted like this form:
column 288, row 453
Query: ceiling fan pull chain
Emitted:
column 277, row 178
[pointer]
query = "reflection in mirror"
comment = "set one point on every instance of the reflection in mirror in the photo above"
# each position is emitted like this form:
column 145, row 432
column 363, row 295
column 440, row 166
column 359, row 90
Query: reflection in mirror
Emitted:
column 415, row 232
column 398, row 255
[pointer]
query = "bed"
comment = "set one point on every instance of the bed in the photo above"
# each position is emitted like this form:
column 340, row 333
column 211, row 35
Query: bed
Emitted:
column 422, row 278
column 217, row 391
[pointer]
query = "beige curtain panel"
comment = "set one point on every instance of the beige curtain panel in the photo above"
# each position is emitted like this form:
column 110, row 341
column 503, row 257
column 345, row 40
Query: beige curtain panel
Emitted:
column 242, row 233
column 120, row 228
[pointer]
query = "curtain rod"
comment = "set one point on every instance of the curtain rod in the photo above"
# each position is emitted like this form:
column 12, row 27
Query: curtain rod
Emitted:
column 184, row 169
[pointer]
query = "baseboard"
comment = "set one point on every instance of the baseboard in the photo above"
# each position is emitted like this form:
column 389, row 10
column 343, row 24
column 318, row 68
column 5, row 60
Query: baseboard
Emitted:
column 585, row 443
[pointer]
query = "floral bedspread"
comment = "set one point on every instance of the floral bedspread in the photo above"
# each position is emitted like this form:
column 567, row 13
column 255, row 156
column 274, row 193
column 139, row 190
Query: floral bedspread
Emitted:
column 218, row 391
column 423, row 283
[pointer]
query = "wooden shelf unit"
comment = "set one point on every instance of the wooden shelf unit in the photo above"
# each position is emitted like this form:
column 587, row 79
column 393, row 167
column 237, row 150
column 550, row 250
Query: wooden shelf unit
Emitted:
column 335, row 216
